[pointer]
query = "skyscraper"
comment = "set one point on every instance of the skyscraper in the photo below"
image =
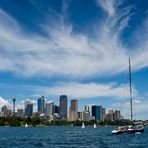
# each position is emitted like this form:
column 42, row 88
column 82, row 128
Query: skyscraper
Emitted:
column 56, row 109
column 28, row 108
column 97, row 112
column 111, row 115
column 116, row 115
column 14, row 99
column 88, row 108
column 103, row 114
column 49, row 108
column 73, row 111
column 63, row 106
column 41, row 104
column 20, row 113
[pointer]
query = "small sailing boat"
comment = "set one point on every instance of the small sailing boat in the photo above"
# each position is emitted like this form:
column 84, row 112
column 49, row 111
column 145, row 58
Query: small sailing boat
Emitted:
column 83, row 126
column 136, row 127
column 95, row 125
column 26, row 125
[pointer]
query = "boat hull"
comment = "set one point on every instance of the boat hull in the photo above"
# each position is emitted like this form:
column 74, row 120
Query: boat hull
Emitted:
column 135, row 131
column 118, row 132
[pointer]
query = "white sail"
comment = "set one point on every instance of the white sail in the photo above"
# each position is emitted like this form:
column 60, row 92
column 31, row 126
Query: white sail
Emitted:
column 95, row 125
column 26, row 125
column 83, row 126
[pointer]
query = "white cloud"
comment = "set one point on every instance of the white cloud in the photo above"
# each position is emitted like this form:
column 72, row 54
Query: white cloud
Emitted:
column 87, row 90
column 67, row 53
column 108, row 6
column 4, row 102
column 140, row 109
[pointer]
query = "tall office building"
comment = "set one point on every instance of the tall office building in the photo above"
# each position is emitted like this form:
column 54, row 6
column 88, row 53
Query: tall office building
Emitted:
column 74, row 105
column 49, row 108
column 117, row 115
column 63, row 106
column 111, row 115
column 20, row 113
column 41, row 104
column 56, row 109
column 103, row 114
column 28, row 108
column 97, row 112
column 14, row 99
column 88, row 108
column 73, row 111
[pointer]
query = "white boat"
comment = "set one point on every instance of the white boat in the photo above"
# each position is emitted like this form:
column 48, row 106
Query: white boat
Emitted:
column 95, row 125
column 83, row 126
column 120, row 130
column 26, row 125
column 135, row 127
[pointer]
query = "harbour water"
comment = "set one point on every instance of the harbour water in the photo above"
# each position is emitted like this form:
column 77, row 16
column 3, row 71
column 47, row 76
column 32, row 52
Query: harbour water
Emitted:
column 69, row 137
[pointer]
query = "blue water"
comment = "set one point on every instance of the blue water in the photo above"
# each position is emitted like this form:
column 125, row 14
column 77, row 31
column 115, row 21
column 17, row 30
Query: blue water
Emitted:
column 69, row 137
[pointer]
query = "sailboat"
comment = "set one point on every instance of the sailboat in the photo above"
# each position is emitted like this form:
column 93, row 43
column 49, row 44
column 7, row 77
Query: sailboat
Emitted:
column 135, row 127
column 83, row 126
column 95, row 125
column 26, row 125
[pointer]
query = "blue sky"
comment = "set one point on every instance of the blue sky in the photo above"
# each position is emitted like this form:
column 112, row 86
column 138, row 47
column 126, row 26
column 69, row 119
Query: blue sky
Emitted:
column 75, row 47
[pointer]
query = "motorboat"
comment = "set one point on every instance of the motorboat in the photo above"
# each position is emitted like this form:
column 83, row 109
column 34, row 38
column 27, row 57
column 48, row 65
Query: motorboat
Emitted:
column 120, row 130
column 137, row 128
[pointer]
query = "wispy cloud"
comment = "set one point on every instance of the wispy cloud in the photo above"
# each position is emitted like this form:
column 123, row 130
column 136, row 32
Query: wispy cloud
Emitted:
column 64, row 52
column 140, row 108
column 108, row 6
column 76, row 90
column 87, row 90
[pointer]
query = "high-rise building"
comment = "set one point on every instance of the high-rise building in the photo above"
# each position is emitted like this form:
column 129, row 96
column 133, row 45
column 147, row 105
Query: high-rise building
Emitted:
column 20, row 113
column 117, row 115
column 88, row 108
column 28, row 108
column 73, row 111
column 83, row 116
column 111, row 117
column 74, row 105
column 14, row 99
column 41, row 104
column 103, row 114
column 56, row 109
column 63, row 106
column 97, row 112
column 49, row 108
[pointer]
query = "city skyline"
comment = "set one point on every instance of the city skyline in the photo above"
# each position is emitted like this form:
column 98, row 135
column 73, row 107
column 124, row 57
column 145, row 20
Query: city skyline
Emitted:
column 51, row 112
column 79, row 48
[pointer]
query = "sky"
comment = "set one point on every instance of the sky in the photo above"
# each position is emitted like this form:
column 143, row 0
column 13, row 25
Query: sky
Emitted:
column 79, row 48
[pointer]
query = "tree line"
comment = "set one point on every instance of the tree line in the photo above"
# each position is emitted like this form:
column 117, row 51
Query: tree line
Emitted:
column 14, row 121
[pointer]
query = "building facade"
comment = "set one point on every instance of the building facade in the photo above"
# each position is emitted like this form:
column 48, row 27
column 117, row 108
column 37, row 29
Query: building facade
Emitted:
column 28, row 108
column 73, row 110
column 117, row 115
column 41, row 104
column 20, row 113
column 63, row 106
column 49, row 108
column 97, row 112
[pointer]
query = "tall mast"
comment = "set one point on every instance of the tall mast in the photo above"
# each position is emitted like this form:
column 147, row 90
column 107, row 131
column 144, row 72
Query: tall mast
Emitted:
column 130, row 83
